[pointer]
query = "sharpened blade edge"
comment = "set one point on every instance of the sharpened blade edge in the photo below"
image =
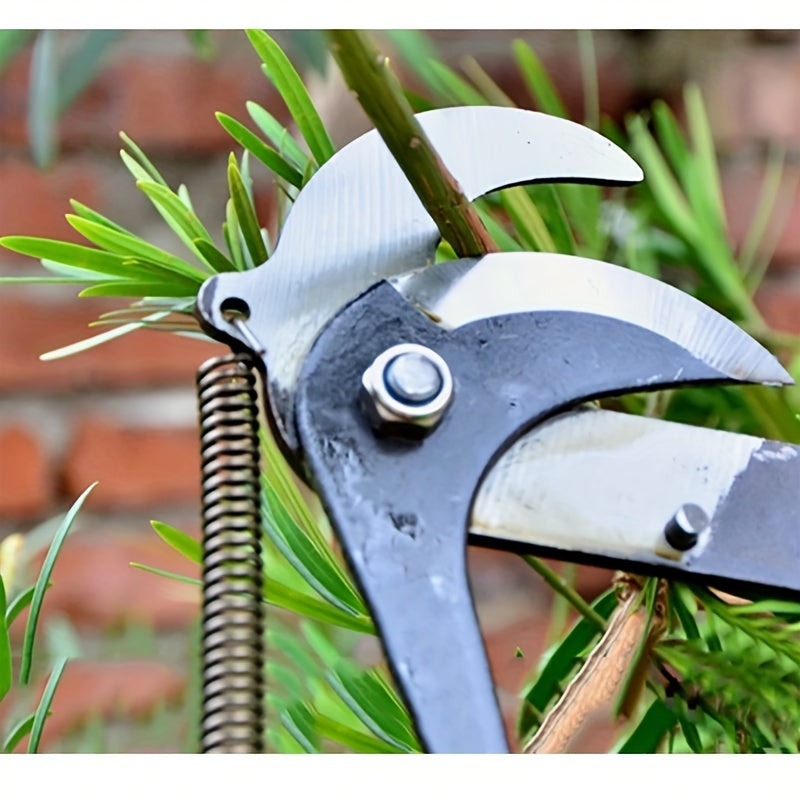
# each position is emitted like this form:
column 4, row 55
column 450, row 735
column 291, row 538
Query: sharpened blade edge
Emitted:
column 460, row 292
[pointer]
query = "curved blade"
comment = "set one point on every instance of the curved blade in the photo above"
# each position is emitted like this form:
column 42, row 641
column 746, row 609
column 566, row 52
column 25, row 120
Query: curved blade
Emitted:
column 456, row 293
column 358, row 220
column 598, row 485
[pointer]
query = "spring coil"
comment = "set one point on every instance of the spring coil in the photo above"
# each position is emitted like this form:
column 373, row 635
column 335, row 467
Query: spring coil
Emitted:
column 233, row 624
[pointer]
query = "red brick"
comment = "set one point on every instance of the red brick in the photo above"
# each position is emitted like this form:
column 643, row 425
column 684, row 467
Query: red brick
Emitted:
column 110, row 690
column 164, row 101
column 95, row 586
column 779, row 302
column 742, row 185
column 752, row 96
column 139, row 359
column 24, row 473
column 33, row 202
column 138, row 468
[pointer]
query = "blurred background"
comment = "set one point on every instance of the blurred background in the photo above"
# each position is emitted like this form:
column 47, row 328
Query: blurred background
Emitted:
column 124, row 413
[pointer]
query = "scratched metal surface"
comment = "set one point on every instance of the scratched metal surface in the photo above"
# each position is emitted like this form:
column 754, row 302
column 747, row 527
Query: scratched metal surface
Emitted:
column 599, row 483
column 358, row 221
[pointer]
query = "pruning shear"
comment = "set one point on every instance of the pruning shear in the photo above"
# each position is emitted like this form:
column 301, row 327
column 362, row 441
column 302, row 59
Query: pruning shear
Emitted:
column 435, row 404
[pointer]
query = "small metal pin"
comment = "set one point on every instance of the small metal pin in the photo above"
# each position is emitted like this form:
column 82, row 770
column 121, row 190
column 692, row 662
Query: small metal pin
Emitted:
column 687, row 524
column 236, row 312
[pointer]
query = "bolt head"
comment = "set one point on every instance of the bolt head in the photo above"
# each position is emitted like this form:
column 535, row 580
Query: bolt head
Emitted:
column 406, row 390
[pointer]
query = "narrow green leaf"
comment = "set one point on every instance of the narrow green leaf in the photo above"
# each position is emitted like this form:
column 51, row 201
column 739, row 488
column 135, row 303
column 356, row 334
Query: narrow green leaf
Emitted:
column 312, row 559
column 43, row 709
column 75, row 255
column 6, row 670
column 19, row 604
column 133, row 246
column 286, row 80
column 42, row 582
column 657, row 722
column 679, row 597
column 79, row 67
column 178, row 287
column 93, row 216
column 706, row 161
column 355, row 740
column 146, row 170
column 173, row 207
column 214, row 257
column 263, row 152
column 279, row 136
column 42, row 99
column 455, row 88
column 504, row 240
column 18, row 733
column 527, row 220
column 537, row 80
column 163, row 573
column 688, row 727
column 660, row 181
column 19, row 279
column 299, row 721
column 282, row 596
column 372, row 700
column 245, row 214
column 100, row 338
column 493, row 94
column 180, row 541
column 670, row 139
column 233, row 239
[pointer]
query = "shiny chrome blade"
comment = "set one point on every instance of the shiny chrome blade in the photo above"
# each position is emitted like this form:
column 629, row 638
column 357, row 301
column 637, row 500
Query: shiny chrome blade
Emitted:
column 601, row 485
column 358, row 220
column 456, row 293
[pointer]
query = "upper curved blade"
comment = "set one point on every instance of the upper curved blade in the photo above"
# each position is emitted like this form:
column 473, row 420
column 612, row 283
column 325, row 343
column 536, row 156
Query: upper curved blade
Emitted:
column 358, row 221
column 456, row 293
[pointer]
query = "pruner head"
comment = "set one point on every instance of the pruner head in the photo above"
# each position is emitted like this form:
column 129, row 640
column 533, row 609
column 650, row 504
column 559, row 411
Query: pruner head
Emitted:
column 358, row 221
column 362, row 338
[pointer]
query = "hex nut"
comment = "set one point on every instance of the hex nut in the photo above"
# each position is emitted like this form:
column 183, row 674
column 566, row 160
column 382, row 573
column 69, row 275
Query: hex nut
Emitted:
column 407, row 402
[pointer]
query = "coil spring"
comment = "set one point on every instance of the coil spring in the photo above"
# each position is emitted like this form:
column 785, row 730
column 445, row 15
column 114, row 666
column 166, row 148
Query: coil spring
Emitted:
column 233, row 625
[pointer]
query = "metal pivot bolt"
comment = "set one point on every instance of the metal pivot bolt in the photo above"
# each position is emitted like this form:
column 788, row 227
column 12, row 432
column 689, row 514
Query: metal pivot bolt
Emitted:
column 683, row 531
column 406, row 390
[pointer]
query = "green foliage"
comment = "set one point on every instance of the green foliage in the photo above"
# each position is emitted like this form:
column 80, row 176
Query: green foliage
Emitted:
column 722, row 676
column 12, row 602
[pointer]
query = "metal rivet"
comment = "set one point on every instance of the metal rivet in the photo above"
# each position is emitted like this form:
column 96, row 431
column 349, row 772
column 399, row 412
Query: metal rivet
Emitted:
column 406, row 390
column 683, row 531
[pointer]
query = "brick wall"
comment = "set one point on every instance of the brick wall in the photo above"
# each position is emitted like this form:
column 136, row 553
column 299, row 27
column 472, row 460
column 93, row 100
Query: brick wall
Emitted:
column 124, row 413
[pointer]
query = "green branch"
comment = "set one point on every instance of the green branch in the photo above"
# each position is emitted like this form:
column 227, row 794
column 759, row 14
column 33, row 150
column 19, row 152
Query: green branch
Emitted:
column 369, row 76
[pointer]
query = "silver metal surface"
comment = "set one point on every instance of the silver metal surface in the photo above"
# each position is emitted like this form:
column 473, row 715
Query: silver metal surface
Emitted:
column 456, row 293
column 407, row 384
column 604, row 483
column 413, row 378
column 358, row 220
